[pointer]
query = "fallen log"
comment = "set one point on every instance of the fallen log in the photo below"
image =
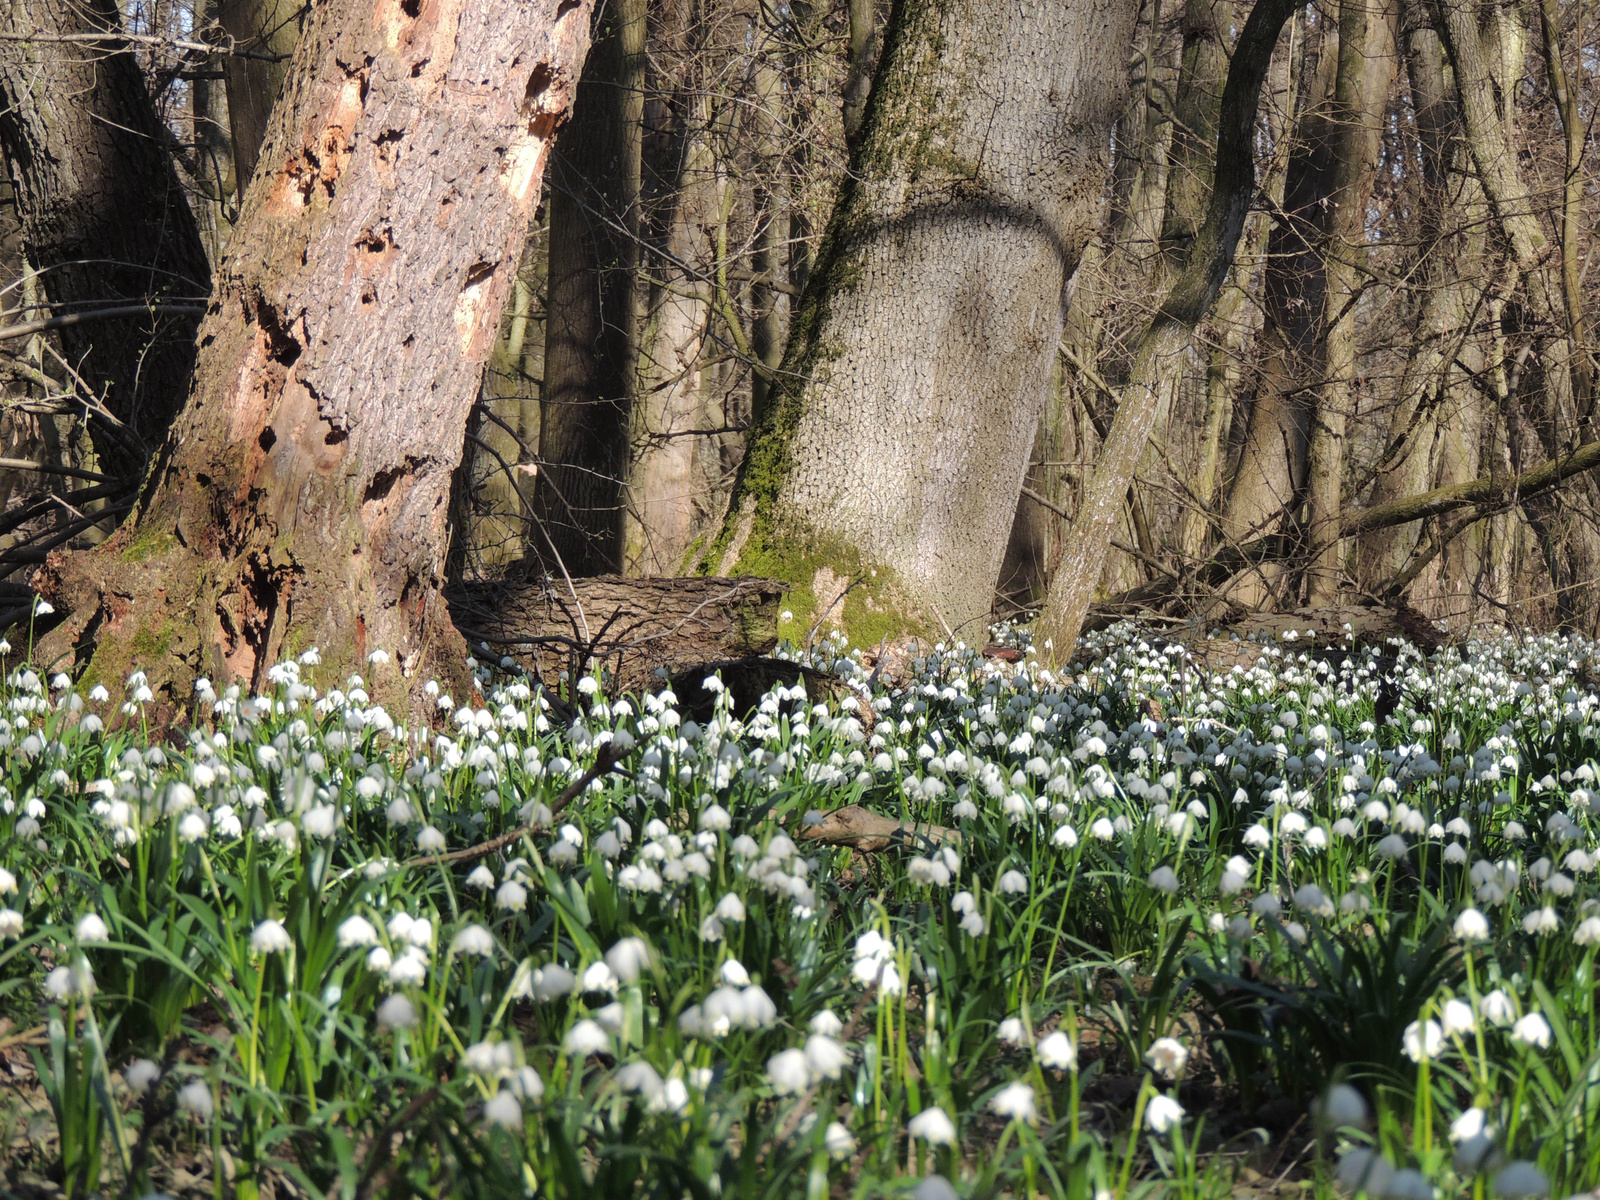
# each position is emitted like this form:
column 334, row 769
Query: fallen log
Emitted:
column 861, row 829
column 631, row 628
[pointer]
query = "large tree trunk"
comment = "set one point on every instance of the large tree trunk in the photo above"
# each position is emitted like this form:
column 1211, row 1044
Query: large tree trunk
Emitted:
column 922, row 350
column 104, row 221
column 591, row 334
column 300, row 499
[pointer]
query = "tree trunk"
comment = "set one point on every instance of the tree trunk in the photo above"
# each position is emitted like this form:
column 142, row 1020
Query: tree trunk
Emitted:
column 668, row 478
column 104, row 221
column 267, row 27
column 922, row 349
column 1191, row 297
column 591, row 335
column 301, row 497
column 1360, row 94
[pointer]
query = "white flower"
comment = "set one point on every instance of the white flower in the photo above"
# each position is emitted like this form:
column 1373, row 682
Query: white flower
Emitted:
column 11, row 924
column 1498, row 1007
column 1366, row 1170
column 1163, row 1113
column 933, row 1126
column 1422, row 1039
column 512, row 896
column 639, row 1078
column 1458, row 1018
column 379, row 960
column 1532, row 1030
column 1393, row 846
column 599, row 977
column 1056, row 1050
column 319, row 821
column 1468, row 1125
column 70, row 981
column 195, row 1098
column 1541, row 921
column 1314, row 900
column 838, row 1142
column 1013, row 883
column 826, row 1057
column 90, row 928
column 1588, row 932
column 788, row 1072
column 1471, row 926
column 627, row 958
column 356, row 931
column 1168, row 1056
column 474, row 939
column 503, row 1108
column 1016, row 1101
column 270, row 937
column 1011, row 1032
column 585, row 1038
column 397, row 1012
column 730, row 908
column 140, row 1075
column 8, row 882
column 480, row 879
column 1163, row 880
column 430, row 840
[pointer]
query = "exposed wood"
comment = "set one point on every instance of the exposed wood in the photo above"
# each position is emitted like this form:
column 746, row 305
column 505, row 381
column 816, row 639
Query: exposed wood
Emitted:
column 861, row 829
column 301, row 497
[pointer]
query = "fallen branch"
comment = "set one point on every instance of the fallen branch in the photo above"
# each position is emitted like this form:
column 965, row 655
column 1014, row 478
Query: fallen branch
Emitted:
column 28, row 328
column 607, row 758
column 861, row 829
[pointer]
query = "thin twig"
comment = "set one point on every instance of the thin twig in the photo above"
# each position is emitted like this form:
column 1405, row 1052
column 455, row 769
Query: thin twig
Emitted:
column 607, row 758
column 140, row 39
column 29, row 328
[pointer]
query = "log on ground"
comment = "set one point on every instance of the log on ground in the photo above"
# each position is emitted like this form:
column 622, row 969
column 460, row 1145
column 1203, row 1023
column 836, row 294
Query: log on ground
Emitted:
column 630, row 628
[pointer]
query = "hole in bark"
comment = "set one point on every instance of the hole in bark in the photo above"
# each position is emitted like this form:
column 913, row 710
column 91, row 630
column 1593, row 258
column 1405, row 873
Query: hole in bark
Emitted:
column 267, row 439
column 411, row 8
column 538, row 83
column 202, row 479
column 382, row 483
column 281, row 344
column 477, row 273
column 335, row 436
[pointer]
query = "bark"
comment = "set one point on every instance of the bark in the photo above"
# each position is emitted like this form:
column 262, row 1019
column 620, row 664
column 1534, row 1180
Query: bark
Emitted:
column 269, row 27
column 669, row 476
column 1271, row 471
column 766, row 305
column 1192, row 295
column 104, row 220
column 631, row 627
column 301, row 496
column 591, row 335
column 922, row 350
column 1361, row 92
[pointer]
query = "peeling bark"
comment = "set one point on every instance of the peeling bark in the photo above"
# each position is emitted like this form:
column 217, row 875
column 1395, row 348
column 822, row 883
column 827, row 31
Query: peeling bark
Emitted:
column 301, row 497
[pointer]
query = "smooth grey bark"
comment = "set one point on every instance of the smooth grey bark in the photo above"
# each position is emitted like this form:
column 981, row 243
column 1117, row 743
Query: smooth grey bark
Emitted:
column 920, row 356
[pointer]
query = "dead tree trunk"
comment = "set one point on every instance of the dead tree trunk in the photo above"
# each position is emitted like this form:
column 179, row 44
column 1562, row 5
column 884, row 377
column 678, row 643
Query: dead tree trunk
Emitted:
column 300, row 498
column 104, row 221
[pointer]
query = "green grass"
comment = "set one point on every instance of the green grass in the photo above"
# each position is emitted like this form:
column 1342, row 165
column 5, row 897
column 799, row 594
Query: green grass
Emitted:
column 1167, row 956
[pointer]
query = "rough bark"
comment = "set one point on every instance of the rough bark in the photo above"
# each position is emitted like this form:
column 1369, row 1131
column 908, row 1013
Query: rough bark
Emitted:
column 104, row 221
column 300, row 498
column 631, row 627
column 922, row 349
column 591, row 335
column 1191, row 297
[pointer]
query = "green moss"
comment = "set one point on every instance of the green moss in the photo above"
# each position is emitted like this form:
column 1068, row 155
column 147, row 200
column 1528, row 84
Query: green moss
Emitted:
column 873, row 608
column 149, row 543
column 151, row 643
